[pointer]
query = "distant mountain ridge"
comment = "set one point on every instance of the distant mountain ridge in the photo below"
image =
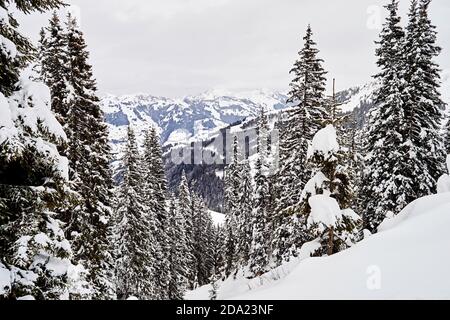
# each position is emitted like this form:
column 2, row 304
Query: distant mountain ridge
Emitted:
column 202, row 117
column 197, row 117
column 181, row 119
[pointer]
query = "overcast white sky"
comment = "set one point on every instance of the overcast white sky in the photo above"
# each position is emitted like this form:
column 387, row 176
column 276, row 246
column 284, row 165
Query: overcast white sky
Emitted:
column 175, row 48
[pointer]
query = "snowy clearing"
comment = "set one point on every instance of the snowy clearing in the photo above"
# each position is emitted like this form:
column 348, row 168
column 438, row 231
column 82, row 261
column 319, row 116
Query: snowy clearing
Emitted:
column 217, row 217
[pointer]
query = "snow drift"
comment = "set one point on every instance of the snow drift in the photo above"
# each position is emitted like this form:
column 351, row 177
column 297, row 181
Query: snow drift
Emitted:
column 408, row 259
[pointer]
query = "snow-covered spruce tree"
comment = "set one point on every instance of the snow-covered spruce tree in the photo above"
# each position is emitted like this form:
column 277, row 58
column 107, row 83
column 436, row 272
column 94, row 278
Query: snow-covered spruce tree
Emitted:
column 423, row 103
column 203, row 242
column 90, row 224
column 239, row 207
column 213, row 293
column 134, row 234
column 232, row 211
column 54, row 66
column 245, row 222
column 33, row 187
column 16, row 49
column 178, row 253
column 336, row 229
column 387, row 179
column 186, row 210
column 353, row 142
column 33, row 174
column 39, row 56
column 296, row 130
column 349, row 160
column 155, row 189
column 218, row 250
column 262, row 237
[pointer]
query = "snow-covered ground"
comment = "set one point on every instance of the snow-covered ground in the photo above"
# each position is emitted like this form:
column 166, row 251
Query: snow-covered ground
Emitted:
column 218, row 218
column 408, row 259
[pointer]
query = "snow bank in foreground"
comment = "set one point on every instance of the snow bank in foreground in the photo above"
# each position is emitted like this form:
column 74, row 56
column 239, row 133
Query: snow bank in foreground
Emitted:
column 408, row 259
column 241, row 285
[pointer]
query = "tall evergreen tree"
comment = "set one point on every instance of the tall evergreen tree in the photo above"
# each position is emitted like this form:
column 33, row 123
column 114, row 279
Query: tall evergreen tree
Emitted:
column 218, row 250
column 297, row 129
column 17, row 50
column 179, row 253
column 261, row 240
column 303, row 121
column 239, row 207
column 90, row 224
column 33, row 179
column 54, row 62
column 330, row 178
column 203, row 236
column 387, row 179
column 423, row 103
column 185, row 209
column 155, row 186
column 135, row 266
column 245, row 224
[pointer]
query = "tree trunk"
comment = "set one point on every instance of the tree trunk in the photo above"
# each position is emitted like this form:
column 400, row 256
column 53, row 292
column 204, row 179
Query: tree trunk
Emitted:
column 331, row 242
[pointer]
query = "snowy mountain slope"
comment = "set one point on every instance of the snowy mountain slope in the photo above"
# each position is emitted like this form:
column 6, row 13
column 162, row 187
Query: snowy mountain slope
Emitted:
column 197, row 117
column 181, row 119
column 362, row 97
column 408, row 259
column 358, row 97
column 201, row 118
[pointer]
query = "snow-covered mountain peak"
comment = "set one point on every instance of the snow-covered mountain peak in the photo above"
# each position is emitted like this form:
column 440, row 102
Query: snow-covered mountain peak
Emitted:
column 181, row 119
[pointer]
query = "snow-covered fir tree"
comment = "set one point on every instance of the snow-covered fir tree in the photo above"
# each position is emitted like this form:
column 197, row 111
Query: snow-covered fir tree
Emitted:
column 135, row 264
column 422, row 102
column 178, row 254
column 386, row 183
column 297, row 128
column 199, row 234
column 353, row 142
column 54, row 66
column 33, row 174
column 213, row 293
column 155, row 189
column 260, row 251
column 42, row 43
column 232, row 211
column 405, row 153
column 327, row 193
column 303, row 121
column 90, row 224
column 239, row 207
column 203, row 232
column 245, row 224
column 185, row 209
column 218, row 251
